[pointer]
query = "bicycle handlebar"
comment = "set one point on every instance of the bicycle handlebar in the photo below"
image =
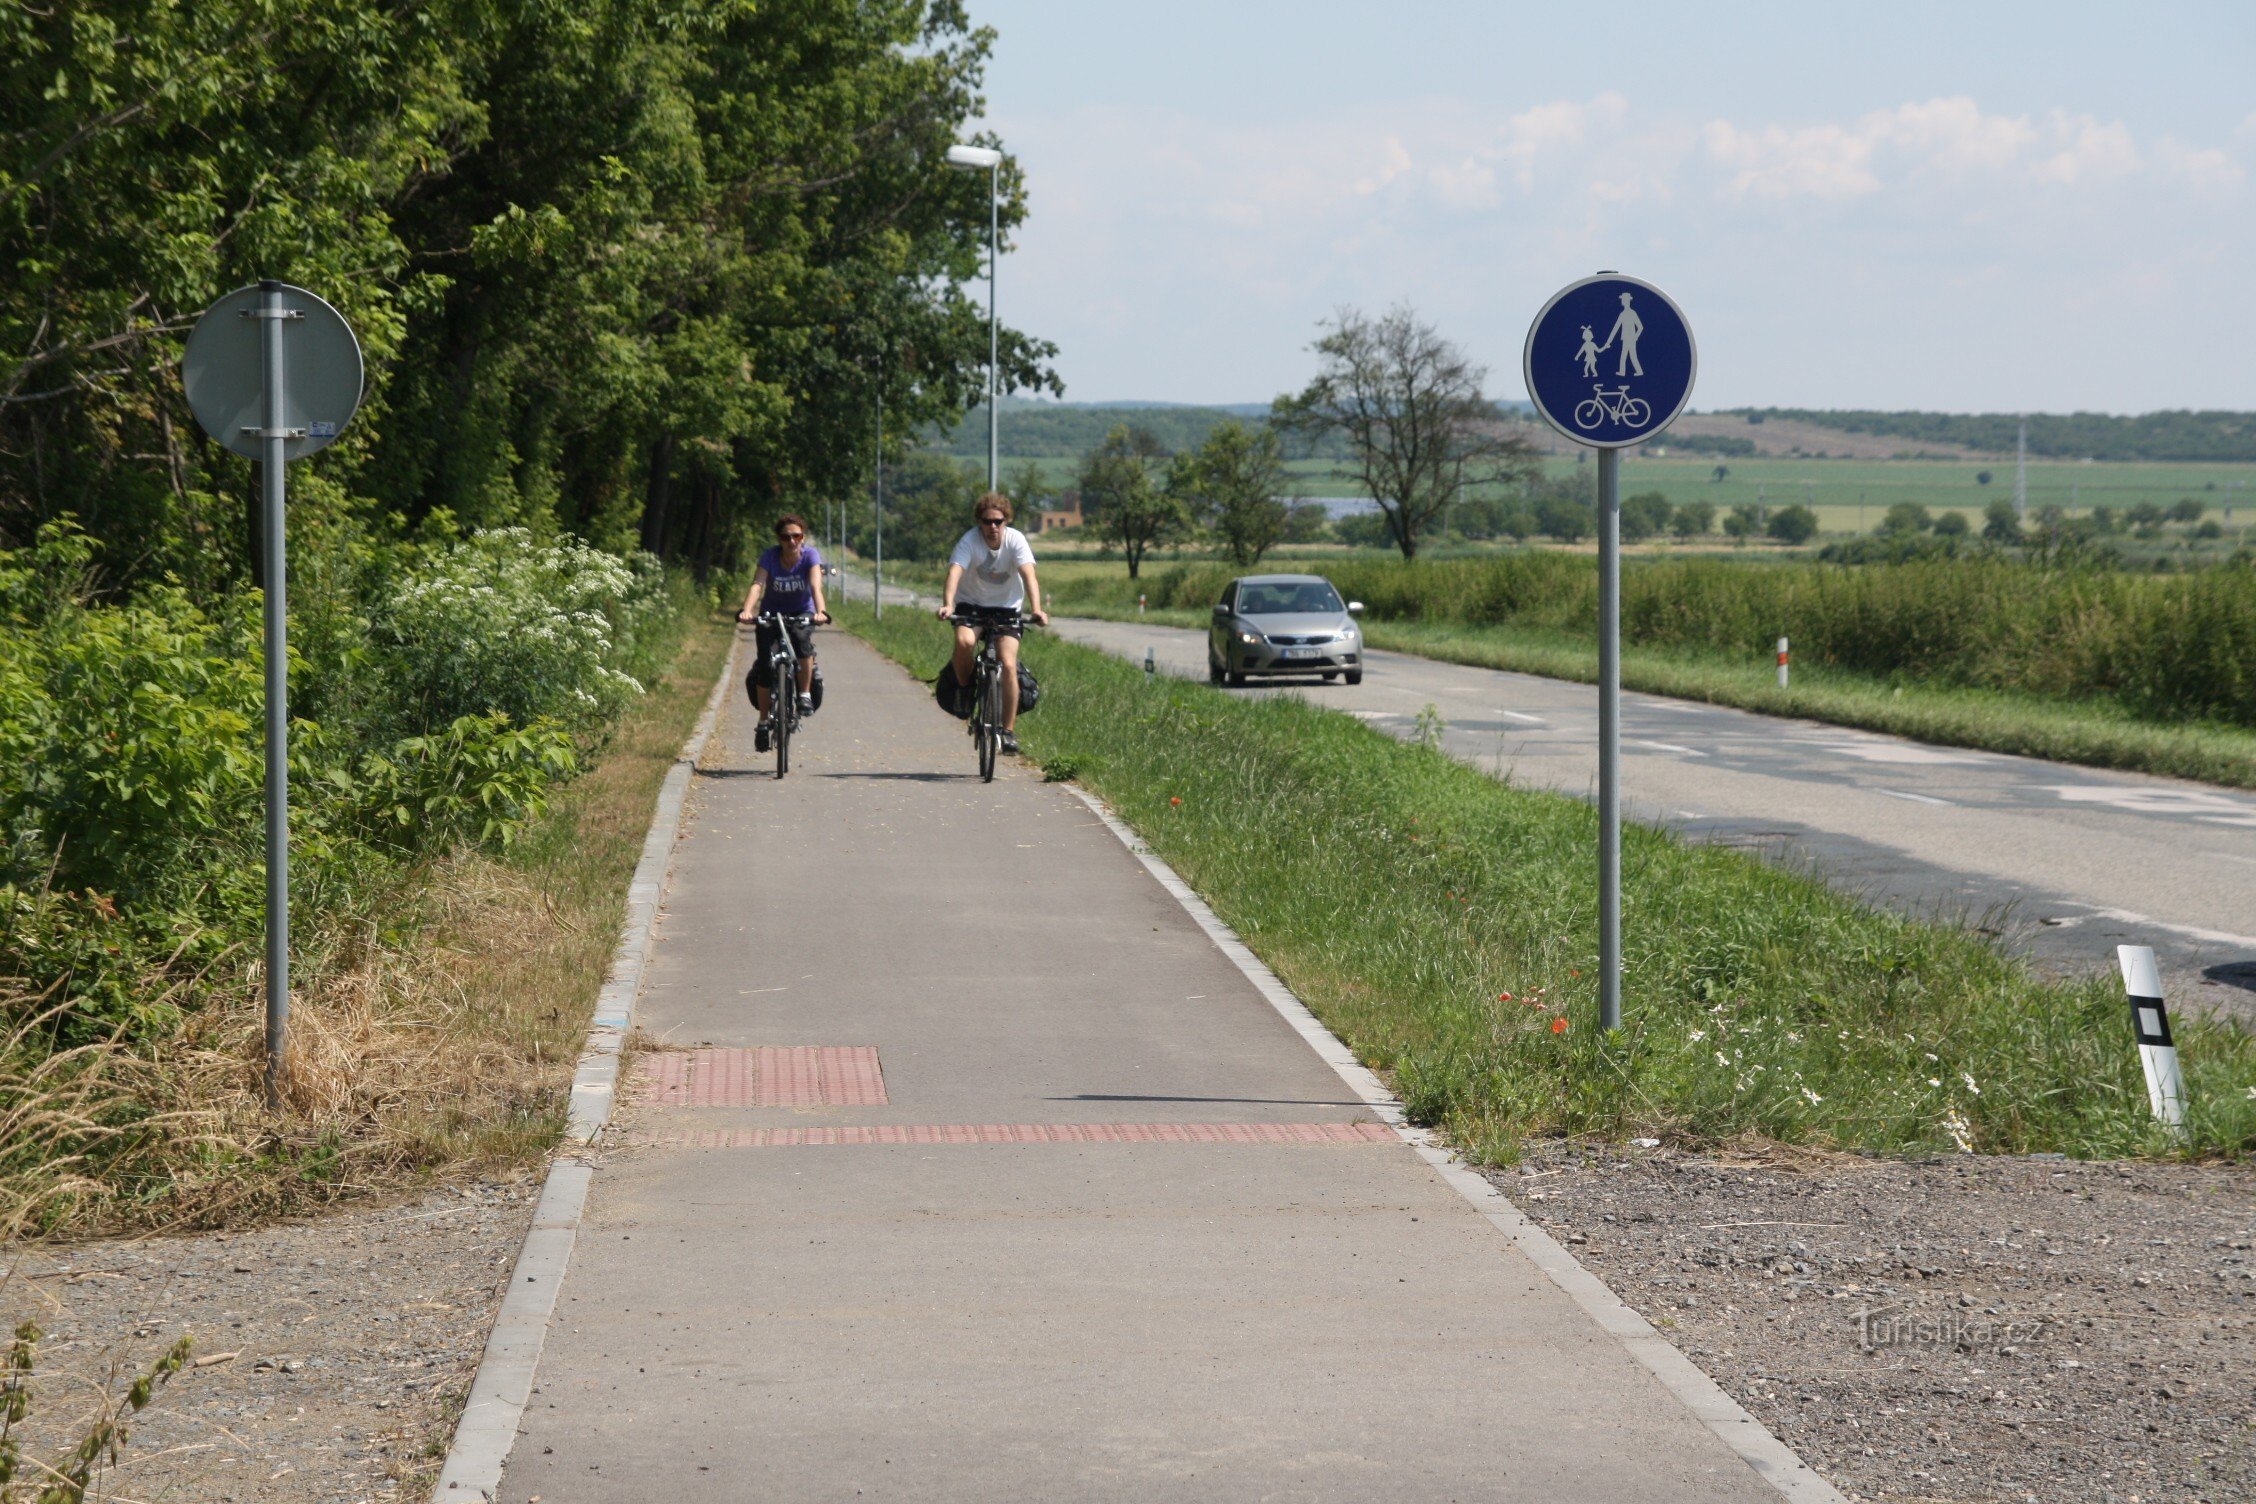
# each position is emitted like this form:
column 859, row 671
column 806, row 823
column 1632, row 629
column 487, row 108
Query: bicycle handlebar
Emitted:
column 793, row 618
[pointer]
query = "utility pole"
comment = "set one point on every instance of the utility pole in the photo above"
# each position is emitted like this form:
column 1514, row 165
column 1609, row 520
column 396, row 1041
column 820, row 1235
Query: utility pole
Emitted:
column 877, row 571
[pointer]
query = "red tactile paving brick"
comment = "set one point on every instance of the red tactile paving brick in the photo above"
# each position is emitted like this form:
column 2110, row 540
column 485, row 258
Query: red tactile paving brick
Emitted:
column 770, row 1076
column 1026, row 1133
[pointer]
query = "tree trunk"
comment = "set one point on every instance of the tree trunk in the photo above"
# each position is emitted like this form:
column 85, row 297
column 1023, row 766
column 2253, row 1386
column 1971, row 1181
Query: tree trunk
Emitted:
column 657, row 493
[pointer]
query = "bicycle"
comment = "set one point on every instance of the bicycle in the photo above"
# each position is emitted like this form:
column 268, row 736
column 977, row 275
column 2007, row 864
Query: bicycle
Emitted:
column 1636, row 412
column 783, row 683
column 987, row 686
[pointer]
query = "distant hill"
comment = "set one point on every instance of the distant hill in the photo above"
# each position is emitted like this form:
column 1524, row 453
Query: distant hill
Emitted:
column 1039, row 430
column 2180, row 436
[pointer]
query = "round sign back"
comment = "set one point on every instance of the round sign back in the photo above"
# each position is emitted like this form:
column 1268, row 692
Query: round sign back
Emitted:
column 225, row 374
column 1609, row 361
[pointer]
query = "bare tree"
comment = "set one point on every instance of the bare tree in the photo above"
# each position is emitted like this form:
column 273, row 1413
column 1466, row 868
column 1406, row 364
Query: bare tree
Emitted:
column 1408, row 404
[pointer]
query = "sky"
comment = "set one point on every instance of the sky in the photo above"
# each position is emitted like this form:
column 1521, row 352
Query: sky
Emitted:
column 1979, row 206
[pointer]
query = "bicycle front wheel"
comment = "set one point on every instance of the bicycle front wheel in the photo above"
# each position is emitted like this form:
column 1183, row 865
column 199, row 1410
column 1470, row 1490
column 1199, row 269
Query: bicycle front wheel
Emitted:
column 1588, row 414
column 780, row 708
column 991, row 729
column 1637, row 412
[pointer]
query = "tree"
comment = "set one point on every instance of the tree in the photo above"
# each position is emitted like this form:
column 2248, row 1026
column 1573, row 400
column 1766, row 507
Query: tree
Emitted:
column 1644, row 515
column 928, row 501
column 1792, row 525
column 1692, row 519
column 1981, row 477
column 1121, row 497
column 1363, row 530
column 1566, row 518
column 1952, row 525
column 1026, row 487
column 1307, row 522
column 1408, row 405
column 1230, row 484
column 2000, row 523
column 2186, row 509
column 1722, row 473
column 1520, row 524
column 1904, row 518
column 1746, row 520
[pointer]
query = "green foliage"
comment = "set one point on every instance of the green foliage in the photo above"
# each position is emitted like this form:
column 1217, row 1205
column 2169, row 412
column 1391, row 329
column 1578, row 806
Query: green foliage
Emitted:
column 132, row 777
column 1123, row 499
column 1792, row 525
column 1905, row 517
column 1231, row 484
column 928, row 501
column 1692, row 519
column 639, row 270
column 2163, row 647
column 1645, row 515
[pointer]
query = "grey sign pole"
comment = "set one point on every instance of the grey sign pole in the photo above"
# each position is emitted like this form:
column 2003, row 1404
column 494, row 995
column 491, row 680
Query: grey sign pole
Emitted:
column 1609, row 739
column 877, row 577
column 272, row 463
column 274, row 373
column 1652, row 366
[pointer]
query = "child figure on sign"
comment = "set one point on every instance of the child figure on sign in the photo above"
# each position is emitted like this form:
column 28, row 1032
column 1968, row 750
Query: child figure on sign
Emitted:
column 1588, row 354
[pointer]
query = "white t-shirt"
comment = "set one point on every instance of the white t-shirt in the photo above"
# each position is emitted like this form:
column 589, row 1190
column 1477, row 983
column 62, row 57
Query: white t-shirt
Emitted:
column 991, row 575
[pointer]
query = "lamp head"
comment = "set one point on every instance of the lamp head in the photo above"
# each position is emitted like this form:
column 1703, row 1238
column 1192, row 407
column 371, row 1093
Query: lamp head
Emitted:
column 975, row 158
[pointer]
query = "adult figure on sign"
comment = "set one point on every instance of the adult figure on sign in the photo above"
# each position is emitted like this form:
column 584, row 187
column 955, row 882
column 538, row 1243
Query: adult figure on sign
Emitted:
column 1628, row 328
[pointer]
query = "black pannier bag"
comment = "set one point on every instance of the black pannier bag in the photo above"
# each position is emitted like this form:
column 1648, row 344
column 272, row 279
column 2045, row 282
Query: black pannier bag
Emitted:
column 1029, row 689
column 954, row 698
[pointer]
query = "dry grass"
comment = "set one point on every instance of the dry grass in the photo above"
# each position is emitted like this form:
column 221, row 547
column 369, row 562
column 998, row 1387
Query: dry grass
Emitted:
column 432, row 1040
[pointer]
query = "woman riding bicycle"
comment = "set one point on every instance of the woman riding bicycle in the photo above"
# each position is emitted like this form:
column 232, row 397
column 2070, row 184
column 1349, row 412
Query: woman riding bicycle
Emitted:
column 789, row 581
column 990, row 579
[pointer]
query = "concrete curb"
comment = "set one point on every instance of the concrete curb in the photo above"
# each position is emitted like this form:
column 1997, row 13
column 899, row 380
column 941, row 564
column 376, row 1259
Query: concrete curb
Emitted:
column 1718, row 1411
column 504, row 1382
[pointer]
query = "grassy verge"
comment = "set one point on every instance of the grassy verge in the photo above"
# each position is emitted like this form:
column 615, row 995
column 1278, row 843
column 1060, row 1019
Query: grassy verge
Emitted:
column 1444, row 926
column 2090, row 733
column 434, row 1040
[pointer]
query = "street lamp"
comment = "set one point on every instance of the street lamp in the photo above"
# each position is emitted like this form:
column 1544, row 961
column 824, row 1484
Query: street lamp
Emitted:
column 989, row 160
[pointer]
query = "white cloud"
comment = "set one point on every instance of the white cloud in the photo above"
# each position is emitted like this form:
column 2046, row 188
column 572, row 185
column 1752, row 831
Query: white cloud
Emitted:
column 2204, row 170
column 2089, row 151
column 1953, row 134
column 1824, row 161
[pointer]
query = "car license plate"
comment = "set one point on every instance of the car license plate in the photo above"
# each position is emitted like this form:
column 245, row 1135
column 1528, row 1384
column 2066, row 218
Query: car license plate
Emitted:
column 1300, row 653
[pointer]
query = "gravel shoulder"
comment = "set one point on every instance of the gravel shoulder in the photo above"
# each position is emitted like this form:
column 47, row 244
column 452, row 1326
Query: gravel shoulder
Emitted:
column 1965, row 1329
column 353, row 1339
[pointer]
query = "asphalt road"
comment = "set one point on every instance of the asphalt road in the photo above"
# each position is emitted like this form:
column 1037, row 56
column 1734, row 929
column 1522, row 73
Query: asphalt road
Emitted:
column 2062, row 863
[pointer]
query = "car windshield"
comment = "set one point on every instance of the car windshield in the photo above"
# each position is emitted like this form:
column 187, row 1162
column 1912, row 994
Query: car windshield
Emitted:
column 1289, row 598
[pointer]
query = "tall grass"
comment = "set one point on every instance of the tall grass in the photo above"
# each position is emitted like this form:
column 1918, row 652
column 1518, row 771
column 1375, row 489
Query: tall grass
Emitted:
column 1443, row 924
column 2162, row 647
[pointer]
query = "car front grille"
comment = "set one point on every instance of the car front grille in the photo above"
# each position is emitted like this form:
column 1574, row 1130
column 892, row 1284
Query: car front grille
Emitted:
column 1297, row 642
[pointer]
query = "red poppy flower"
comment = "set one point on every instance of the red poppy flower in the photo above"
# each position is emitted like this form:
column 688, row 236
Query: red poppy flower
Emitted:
column 1558, row 1026
column 1177, row 799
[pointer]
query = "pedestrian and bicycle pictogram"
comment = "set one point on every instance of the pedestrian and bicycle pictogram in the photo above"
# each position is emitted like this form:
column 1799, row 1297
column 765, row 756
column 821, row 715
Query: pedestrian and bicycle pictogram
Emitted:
column 1610, row 361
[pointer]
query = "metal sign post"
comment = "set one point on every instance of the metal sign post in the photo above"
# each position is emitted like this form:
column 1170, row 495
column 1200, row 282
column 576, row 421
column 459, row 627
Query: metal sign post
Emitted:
column 1607, row 391
column 274, row 373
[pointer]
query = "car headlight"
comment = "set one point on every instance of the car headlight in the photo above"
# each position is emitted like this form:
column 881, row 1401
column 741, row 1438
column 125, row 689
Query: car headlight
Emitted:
column 1251, row 639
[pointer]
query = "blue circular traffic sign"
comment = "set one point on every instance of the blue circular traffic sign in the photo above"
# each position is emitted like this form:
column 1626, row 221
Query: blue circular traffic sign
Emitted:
column 1610, row 361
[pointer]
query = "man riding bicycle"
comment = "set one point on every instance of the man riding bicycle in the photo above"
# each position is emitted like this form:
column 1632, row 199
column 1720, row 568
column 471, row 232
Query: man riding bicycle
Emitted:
column 789, row 581
column 990, row 580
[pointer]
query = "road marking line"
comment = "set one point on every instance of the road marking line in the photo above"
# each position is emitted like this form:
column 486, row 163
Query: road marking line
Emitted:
column 1532, row 720
column 1668, row 747
column 1914, row 798
column 1725, row 1417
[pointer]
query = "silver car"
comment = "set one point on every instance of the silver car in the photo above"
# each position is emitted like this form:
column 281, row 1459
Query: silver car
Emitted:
column 1284, row 624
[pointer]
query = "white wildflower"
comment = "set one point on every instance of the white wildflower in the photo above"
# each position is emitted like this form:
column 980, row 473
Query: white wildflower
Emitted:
column 1698, row 1035
column 1969, row 1080
column 1813, row 1096
column 1961, row 1132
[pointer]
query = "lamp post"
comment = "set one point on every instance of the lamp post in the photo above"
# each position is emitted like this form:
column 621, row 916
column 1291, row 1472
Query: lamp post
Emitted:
column 976, row 159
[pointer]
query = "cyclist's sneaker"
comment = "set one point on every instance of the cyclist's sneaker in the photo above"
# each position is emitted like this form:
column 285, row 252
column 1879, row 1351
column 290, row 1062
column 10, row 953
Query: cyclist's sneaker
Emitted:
column 1010, row 744
column 806, row 704
column 760, row 738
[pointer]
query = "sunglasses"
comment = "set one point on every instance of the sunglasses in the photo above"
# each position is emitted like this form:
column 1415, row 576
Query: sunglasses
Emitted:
column 992, row 521
column 791, row 537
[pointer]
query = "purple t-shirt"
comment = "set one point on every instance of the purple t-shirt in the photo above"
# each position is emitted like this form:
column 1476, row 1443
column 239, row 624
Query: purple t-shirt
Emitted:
column 791, row 592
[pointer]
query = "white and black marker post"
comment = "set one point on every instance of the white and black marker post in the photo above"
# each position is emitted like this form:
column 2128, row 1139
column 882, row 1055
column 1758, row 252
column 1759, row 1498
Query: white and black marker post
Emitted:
column 1781, row 663
column 2150, row 1020
column 274, row 373
column 1609, row 363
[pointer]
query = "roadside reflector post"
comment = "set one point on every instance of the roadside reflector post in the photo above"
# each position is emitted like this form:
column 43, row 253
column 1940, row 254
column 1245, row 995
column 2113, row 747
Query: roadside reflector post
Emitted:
column 1139, row 605
column 1151, row 664
column 1609, row 363
column 2150, row 1021
column 1781, row 663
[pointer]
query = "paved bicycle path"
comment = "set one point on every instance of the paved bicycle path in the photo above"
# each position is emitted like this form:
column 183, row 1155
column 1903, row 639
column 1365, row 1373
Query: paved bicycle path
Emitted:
column 1189, row 1265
